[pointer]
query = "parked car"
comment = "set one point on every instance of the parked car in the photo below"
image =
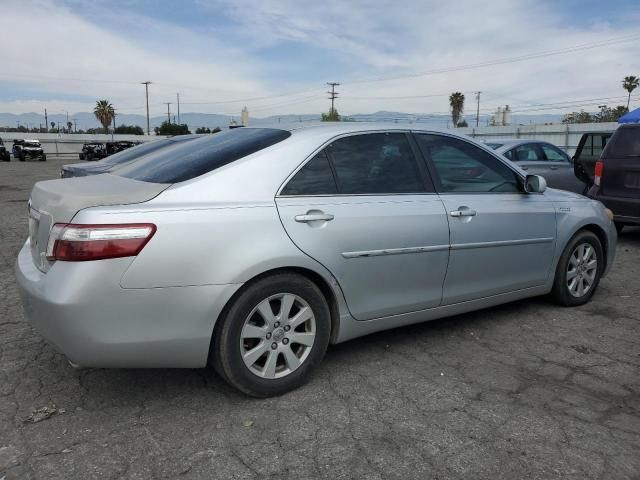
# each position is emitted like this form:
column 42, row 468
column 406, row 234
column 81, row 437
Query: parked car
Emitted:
column 97, row 150
column 541, row 158
column 253, row 249
column 118, row 159
column 93, row 151
column 5, row 156
column 28, row 150
column 617, row 176
column 589, row 150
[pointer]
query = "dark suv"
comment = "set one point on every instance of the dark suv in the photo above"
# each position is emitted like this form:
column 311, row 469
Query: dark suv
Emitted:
column 616, row 180
column 5, row 156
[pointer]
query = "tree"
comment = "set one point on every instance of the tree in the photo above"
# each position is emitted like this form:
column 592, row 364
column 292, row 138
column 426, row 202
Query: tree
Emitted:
column 606, row 114
column 129, row 130
column 456, row 102
column 630, row 83
column 332, row 116
column 463, row 124
column 172, row 129
column 105, row 113
column 201, row 130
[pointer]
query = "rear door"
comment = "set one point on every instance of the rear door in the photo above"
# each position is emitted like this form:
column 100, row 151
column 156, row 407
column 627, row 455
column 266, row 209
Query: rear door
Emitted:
column 621, row 158
column 588, row 153
column 502, row 239
column 365, row 209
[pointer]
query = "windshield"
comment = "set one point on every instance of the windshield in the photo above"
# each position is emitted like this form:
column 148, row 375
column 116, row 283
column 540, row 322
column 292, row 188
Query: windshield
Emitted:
column 31, row 143
column 192, row 159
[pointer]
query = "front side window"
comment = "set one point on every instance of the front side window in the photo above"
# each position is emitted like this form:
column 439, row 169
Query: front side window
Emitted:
column 527, row 153
column 375, row 163
column 553, row 154
column 462, row 167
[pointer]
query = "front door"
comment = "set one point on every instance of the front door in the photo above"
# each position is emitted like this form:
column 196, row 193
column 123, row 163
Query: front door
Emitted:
column 502, row 239
column 364, row 208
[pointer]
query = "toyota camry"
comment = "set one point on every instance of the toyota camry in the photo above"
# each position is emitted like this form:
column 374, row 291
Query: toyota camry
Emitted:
column 253, row 249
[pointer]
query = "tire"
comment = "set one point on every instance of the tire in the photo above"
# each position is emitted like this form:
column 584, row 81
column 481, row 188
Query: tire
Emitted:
column 273, row 344
column 619, row 227
column 21, row 157
column 571, row 294
column 43, row 158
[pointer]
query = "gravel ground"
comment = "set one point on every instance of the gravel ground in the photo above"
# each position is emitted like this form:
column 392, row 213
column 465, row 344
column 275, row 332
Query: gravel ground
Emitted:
column 526, row 390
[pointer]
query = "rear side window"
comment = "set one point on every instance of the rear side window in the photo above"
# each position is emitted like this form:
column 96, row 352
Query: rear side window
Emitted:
column 375, row 163
column 315, row 178
column 624, row 143
column 189, row 160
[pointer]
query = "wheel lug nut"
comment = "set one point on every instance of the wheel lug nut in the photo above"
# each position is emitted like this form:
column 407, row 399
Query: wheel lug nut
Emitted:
column 285, row 340
column 277, row 324
column 274, row 345
column 268, row 336
column 287, row 328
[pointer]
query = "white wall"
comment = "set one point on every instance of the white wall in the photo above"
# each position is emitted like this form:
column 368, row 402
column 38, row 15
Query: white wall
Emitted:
column 564, row 136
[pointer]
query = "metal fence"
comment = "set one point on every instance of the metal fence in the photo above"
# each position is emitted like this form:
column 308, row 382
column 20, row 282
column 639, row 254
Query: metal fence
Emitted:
column 565, row 136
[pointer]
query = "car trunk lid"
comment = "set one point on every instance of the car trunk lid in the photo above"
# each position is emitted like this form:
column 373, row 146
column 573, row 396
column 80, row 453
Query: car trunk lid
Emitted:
column 58, row 201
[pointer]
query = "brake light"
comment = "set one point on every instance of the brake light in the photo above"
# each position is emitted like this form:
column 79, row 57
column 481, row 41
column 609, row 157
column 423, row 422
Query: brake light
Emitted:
column 598, row 172
column 76, row 243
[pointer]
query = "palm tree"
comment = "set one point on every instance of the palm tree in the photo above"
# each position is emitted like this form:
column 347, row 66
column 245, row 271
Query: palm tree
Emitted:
column 630, row 83
column 456, row 101
column 105, row 113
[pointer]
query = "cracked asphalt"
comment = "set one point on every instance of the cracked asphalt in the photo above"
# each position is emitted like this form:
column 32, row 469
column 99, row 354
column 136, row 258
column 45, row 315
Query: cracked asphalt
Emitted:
column 526, row 390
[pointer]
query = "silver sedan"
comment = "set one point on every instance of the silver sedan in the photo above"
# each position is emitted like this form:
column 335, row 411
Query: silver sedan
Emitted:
column 253, row 249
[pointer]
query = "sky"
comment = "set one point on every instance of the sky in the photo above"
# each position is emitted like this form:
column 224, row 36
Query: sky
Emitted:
column 275, row 57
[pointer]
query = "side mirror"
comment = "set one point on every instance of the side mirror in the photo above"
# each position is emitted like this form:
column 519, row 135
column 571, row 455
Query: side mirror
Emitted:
column 535, row 184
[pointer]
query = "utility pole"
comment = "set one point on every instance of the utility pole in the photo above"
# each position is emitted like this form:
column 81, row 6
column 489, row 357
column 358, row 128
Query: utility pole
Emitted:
column 332, row 95
column 146, row 88
column 178, row 98
column 168, row 112
column 478, row 107
column 75, row 125
column 46, row 120
column 114, row 127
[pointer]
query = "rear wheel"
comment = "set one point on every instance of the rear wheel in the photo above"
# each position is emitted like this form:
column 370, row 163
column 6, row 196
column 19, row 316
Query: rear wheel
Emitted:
column 21, row 157
column 43, row 158
column 273, row 335
column 579, row 270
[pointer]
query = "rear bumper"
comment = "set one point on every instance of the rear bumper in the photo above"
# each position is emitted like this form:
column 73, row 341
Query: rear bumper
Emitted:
column 80, row 308
column 625, row 209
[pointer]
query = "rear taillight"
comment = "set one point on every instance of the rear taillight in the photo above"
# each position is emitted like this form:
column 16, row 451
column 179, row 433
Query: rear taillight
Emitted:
column 76, row 243
column 597, row 177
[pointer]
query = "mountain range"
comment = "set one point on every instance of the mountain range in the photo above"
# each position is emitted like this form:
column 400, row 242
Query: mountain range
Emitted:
column 85, row 120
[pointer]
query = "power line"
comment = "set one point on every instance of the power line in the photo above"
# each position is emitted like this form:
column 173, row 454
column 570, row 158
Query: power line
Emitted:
column 520, row 58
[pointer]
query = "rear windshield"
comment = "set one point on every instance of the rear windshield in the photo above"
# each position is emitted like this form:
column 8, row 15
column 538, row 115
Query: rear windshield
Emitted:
column 192, row 159
column 624, row 143
column 145, row 148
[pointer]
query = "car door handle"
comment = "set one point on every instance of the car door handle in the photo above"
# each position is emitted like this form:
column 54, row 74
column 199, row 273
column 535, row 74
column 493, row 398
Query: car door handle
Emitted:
column 463, row 212
column 313, row 217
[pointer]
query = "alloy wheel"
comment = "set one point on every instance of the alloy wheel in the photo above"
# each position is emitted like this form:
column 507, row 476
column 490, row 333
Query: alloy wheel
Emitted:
column 277, row 336
column 582, row 269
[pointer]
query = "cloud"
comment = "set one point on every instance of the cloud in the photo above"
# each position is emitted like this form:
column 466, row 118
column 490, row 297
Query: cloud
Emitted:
column 259, row 48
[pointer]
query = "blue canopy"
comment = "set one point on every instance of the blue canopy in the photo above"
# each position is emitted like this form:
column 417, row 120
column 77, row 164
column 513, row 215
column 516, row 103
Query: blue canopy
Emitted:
column 630, row 117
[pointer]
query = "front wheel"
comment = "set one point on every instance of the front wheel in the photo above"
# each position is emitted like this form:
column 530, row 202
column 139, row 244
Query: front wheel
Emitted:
column 273, row 335
column 579, row 270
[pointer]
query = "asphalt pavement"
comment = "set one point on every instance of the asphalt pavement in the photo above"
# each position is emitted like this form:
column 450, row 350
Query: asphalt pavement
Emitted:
column 525, row 390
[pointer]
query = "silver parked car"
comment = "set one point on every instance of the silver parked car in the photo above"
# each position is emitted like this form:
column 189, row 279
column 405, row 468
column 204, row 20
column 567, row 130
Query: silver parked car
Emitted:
column 541, row 158
column 253, row 249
